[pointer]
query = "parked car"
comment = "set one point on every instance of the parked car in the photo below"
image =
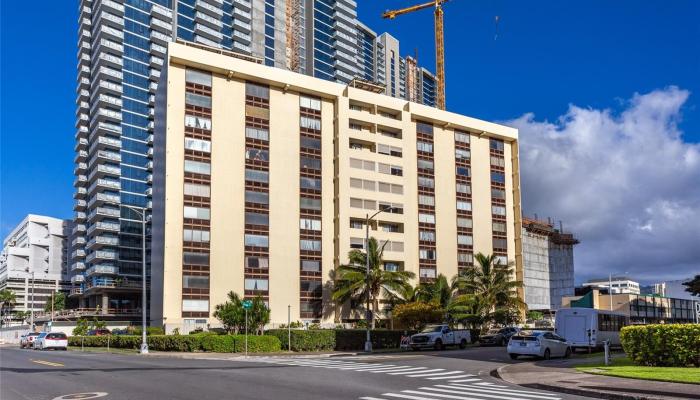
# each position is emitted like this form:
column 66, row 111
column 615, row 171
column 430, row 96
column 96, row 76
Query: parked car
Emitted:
column 27, row 340
column 498, row 337
column 51, row 340
column 439, row 336
column 542, row 344
column 99, row 332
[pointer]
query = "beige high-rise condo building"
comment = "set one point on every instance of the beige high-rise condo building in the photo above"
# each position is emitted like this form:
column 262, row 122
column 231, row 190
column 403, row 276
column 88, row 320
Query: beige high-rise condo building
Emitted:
column 263, row 179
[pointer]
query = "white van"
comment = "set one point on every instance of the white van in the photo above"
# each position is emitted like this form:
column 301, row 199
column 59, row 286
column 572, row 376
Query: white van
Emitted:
column 589, row 328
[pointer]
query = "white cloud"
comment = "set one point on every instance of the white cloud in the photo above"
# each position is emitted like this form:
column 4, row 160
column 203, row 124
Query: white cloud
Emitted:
column 624, row 182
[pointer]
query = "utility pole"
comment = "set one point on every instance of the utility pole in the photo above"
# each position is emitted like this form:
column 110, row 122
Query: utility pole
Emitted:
column 289, row 327
column 610, row 290
column 144, row 299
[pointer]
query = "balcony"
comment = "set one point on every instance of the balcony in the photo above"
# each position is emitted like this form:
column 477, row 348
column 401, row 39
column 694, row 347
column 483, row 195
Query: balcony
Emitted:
column 77, row 266
column 109, row 60
column 80, row 169
column 77, row 279
column 106, row 114
column 105, row 128
column 102, row 270
column 82, row 143
column 162, row 26
column 113, row 7
column 104, row 198
column 76, row 291
column 158, row 49
column 95, row 284
column 80, row 156
column 80, row 192
column 100, row 227
column 80, row 215
column 100, row 241
column 160, row 38
column 103, row 170
column 81, row 133
column 214, row 11
column 78, row 241
column 101, row 255
column 103, row 212
column 105, row 184
column 111, row 33
column 109, row 87
column 161, row 12
column 80, row 205
column 78, row 253
column 105, row 156
column 157, row 62
column 111, row 20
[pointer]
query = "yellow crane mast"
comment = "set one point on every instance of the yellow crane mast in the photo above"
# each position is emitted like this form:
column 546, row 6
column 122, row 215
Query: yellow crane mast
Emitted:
column 439, row 42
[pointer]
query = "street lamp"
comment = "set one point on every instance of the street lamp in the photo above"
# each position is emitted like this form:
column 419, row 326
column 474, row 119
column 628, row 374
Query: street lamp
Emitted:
column 31, row 309
column 141, row 211
column 368, row 313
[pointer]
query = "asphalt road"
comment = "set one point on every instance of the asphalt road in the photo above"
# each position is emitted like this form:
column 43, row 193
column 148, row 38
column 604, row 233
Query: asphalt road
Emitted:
column 454, row 374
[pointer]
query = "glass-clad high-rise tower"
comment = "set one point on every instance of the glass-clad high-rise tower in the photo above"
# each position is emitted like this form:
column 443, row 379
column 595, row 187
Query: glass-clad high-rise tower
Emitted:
column 121, row 51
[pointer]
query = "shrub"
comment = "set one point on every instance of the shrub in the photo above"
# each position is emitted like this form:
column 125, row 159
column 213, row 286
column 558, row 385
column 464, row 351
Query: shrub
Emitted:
column 150, row 330
column 306, row 340
column 354, row 339
column 416, row 314
column 184, row 343
column 662, row 345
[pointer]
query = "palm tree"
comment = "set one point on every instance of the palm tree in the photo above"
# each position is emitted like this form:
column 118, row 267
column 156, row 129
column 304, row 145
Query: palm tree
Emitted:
column 487, row 289
column 352, row 284
column 7, row 300
column 437, row 292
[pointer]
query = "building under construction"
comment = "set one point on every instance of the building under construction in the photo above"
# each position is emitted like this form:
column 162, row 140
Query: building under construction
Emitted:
column 548, row 264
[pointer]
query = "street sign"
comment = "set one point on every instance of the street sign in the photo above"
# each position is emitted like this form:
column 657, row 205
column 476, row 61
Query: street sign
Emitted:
column 247, row 304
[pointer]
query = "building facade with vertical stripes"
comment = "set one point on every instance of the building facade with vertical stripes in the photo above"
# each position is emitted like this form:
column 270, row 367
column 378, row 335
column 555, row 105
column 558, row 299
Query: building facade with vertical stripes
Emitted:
column 263, row 179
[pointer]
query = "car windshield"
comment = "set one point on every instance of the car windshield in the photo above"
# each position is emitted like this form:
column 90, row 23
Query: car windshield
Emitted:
column 531, row 333
column 493, row 332
column 42, row 334
column 56, row 336
column 432, row 328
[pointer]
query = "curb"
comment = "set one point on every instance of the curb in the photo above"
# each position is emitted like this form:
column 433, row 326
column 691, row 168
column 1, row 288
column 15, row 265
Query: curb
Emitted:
column 497, row 373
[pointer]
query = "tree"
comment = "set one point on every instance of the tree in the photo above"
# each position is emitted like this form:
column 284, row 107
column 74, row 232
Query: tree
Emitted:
column 534, row 315
column 351, row 283
column 7, row 301
column 693, row 286
column 438, row 291
column 417, row 314
column 258, row 316
column 59, row 302
column 82, row 326
column 490, row 292
column 232, row 314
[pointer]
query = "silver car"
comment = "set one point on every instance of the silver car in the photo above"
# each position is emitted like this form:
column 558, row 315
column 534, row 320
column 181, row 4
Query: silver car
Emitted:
column 542, row 344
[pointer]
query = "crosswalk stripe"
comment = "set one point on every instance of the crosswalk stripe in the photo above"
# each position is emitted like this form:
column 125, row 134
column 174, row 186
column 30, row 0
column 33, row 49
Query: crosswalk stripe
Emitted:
column 489, row 384
column 370, row 398
column 494, row 393
column 430, row 370
column 406, row 371
column 509, row 390
column 448, row 396
column 451, row 376
column 467, row 380
column 391, row 369
column 405, row 396
column 436, row 374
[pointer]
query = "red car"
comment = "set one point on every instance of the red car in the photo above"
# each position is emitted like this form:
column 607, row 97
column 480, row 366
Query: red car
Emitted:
column 99, row 332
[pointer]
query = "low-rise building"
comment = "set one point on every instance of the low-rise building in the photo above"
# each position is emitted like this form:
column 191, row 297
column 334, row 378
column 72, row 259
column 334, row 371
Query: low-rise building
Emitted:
column 34, row 262
column 675, row 289
column 548, row 264
column 620, row 284
column 263, row 180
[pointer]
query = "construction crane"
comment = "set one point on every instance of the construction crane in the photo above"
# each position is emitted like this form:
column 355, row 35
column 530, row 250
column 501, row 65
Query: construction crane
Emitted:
column 439, row 42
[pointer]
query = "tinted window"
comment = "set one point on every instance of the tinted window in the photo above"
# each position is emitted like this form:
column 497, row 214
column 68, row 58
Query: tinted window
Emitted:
column 56, row 336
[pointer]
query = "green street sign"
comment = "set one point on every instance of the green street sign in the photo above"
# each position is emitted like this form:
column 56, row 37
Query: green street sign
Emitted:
column 247, row 304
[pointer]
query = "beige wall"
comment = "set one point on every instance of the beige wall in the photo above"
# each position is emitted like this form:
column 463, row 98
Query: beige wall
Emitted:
column 228, row 148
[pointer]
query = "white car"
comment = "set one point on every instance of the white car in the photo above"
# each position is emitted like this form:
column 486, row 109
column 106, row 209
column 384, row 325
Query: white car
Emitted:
column 542, row 344
column 438, row 336
column 51, row 340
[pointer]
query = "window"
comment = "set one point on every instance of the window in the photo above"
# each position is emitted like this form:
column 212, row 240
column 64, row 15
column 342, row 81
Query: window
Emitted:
column 464, row 222
column 463, row 171
column 465, row 258
column 193, row 235
column 396, row 170
column 498, row 210
column 198, row 77
column 310, row 163
column 257, row 133
column 391, row 267
column 256, row 284
column 192, row 121
column 257, row 262
column 498, row 194
column 308, row 102
column 311, row 245
column 197, row 167
column 389, row 227
column 195, row 282
column 464, row 205
column 425, row 147
column 192, row 258
column 310, row 224
column 198, row 145
column 309, row 203
column 252, row 218
column 356, row 224
column 461, row 137
column 256, row 240
column 426, row 218
column 461, row 154
column 426, row 254
column 193, row 189
column 256, row 197
column 464, row 188
column 256, row 176
column 425, row 164
column 498, row 177
column 424, row 127
column 426, row 236
column 500, row 243
column 310, row 123
column 496, row 144
column 256, row 155
column 426, row 200
column 389, row 150
column 310, row 183
column 498, row 161
column 427, row 273
column 196, row 212
column 465, row 240
column 197, row 100
column 356, row 127
column 195, row 305
column 499, row 227
column 311, row 265
column 252, row 89
column 310, row 143
column 426, row 182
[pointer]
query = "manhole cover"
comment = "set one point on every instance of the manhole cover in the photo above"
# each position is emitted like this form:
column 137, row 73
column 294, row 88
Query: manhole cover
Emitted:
column 81, row 396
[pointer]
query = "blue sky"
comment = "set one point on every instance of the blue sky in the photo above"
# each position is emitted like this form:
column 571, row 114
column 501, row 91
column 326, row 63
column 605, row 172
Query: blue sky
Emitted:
column 548, row 55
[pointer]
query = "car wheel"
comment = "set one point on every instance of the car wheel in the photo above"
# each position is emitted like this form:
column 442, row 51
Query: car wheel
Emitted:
column 463, row 344
column 438, row 344
column 500, row 342
column 513, row 356
column 567, row 353
column 547, row 354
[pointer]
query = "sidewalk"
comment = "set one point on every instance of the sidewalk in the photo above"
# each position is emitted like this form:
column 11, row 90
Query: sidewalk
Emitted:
column 559, row 376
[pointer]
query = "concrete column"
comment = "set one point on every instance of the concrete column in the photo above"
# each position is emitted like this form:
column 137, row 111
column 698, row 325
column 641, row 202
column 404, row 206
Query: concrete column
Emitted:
column 105, row 304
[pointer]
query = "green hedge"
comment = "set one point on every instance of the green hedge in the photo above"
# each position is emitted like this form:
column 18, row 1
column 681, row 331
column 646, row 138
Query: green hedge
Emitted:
column 184, row 343
column 662, row 345
column 340, row 339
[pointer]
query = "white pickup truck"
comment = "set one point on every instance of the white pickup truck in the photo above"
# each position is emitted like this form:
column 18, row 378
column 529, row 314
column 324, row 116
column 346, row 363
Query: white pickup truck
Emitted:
column 439, row 336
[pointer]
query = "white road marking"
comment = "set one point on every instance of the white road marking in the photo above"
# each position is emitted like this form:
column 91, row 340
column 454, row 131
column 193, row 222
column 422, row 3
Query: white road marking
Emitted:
column 408, row 371
column 449, row 396
column 451, row 377
column 468, row 380
column 430, row 370
column 510, row 389
column 436, row 374
column 405, row 396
